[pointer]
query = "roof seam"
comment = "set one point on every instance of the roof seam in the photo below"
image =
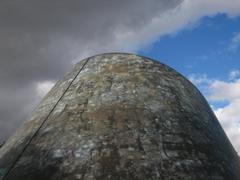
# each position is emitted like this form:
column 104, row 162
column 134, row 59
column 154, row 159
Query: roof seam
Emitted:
column 44, row 121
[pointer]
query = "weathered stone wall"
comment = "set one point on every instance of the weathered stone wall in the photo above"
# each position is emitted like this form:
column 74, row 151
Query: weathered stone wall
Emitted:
column 121, row 117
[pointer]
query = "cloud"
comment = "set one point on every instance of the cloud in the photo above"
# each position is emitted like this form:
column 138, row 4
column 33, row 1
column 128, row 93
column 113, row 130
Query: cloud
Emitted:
column 202, row 81
column 218, row 91
column 229, row 116
column 234, row 74
column 40, row 40
column 235, row 42
column 236, row 38
column 43, row 87
column 199, row 79
column 221, row 90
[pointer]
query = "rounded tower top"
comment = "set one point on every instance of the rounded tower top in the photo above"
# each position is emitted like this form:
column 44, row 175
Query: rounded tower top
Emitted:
column 120, row 116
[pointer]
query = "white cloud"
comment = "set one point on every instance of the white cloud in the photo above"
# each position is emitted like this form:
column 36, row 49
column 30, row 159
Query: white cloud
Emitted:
column 235, row 42
column 221, row 90
column 229, row 115
column 190, row 11
column 43, row 87
column 234, row 74
column 236, row 38
column 199, row 79
column 202, row 81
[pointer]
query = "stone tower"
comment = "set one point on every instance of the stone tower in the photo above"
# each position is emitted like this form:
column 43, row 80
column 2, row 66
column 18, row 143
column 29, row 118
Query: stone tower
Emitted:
column 120, row 117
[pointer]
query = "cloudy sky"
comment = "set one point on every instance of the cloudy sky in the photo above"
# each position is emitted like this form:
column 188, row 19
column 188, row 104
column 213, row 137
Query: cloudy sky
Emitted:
column 41, row 40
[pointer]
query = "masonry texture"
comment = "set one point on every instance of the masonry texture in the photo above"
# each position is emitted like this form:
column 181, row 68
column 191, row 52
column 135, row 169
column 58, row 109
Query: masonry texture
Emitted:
column 120, row 117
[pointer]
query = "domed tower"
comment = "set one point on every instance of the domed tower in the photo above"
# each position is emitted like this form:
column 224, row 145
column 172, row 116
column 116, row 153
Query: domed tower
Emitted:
column 120, row 117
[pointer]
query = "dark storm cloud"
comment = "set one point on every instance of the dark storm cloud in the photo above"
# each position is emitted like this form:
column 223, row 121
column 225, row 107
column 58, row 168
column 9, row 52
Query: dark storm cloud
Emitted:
column 44, row 36
column 40, row 39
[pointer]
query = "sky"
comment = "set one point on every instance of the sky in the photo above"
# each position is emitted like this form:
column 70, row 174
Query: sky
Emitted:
column 41, row 40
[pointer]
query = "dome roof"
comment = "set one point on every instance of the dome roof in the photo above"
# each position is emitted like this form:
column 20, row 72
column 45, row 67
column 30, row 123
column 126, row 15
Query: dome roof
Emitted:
column 120, row 116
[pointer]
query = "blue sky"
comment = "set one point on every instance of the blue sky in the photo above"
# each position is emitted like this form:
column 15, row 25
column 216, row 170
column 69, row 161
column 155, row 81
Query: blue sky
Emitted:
column 203, row 48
